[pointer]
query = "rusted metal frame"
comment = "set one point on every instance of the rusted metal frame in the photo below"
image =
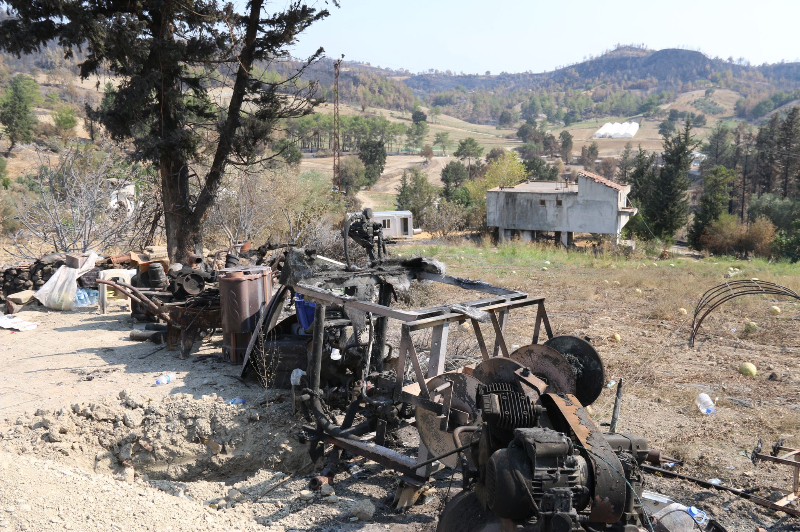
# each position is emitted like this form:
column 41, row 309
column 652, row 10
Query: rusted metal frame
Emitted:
column 778, row 460
column 541, row 318
column 477, row 303
column 137, row 296
column 407, row 351
column 716, row 296
column 499, row 325
column 791, row 459
column 407, row 315
column 438, row 349
column 450, row 317
column 419, row 402
column 446, row 393
column 479, row 336
column 387, row 457
column 467, row 284
column 721, row 487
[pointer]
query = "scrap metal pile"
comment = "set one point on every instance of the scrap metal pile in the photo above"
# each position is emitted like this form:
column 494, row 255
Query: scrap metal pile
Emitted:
column 514, row 424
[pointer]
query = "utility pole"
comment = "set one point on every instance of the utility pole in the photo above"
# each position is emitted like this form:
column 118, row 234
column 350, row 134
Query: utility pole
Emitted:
column 337, row 171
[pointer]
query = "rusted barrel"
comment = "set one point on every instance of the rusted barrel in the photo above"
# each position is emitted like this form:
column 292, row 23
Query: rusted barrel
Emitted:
column 242, row 291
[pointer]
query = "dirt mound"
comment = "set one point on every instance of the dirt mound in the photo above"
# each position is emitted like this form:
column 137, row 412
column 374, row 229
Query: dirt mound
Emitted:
column 178, row 438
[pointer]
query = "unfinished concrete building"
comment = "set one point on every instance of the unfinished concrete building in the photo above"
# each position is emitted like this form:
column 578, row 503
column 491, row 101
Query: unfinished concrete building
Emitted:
column 592, row 205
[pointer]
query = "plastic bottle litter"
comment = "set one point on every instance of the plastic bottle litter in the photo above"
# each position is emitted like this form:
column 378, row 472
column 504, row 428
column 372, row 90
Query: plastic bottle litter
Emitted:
column 81, row 298
column 697, row 514
column 610, row 384
column 166, row 378
column 296, row 376
column 237, row 401
column 705, row 404
column 336, row 354
column 715, row 481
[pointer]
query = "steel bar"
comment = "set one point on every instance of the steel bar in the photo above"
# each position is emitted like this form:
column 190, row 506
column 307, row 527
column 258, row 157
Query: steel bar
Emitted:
column 722, row 293
column 479, row 336
column 615, row 414
column 376, row 453
column 499, row 324
column 745, row 495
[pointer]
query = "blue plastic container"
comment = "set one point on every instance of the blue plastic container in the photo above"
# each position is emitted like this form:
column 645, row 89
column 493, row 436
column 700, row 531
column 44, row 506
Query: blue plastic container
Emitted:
column 305, row 311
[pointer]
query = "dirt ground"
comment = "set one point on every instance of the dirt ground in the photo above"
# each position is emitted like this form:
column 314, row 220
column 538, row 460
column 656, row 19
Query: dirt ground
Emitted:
column 381, row 196
column 89, row 442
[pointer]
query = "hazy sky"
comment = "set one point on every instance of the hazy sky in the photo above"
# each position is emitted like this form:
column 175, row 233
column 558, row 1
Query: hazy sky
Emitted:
column 516, row 36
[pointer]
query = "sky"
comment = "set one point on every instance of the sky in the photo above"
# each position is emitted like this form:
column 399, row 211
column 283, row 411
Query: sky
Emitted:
column 532, row 35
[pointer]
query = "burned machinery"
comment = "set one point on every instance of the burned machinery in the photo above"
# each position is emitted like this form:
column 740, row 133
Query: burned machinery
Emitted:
column 514, row 423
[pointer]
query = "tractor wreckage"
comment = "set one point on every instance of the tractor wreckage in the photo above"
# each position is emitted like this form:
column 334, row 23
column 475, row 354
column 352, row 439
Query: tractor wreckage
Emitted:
column 514, row 424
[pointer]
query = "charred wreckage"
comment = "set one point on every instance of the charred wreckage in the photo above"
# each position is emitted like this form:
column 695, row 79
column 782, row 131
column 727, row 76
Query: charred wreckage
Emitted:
column 515, row 424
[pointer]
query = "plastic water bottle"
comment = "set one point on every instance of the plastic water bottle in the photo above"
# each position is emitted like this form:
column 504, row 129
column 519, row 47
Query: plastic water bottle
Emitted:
column 705, row 404
column 166, row 378
column 236, row 401
column 81, row 298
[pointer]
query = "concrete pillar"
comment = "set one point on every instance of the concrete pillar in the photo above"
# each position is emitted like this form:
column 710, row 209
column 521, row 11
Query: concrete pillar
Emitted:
column 526, row 236
column 501, row 234
column 564, row 238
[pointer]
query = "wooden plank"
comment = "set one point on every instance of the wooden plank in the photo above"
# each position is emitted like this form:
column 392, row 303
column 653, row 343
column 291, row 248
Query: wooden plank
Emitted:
column 499, row 325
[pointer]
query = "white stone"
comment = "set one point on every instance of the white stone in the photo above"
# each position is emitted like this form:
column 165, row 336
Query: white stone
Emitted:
column 363, row 510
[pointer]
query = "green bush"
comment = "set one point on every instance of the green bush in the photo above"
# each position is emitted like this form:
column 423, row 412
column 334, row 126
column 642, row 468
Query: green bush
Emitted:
column 787, row 243
column 64, row 118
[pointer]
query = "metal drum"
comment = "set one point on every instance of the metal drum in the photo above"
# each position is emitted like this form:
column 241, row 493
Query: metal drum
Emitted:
column 242, row 292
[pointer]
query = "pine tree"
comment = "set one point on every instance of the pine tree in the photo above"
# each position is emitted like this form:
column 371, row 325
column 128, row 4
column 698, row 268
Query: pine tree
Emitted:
column 667, row 208
column 713, row 202
column 625, row 165
column 167, row 57
column 789, row 143
column 16, row 109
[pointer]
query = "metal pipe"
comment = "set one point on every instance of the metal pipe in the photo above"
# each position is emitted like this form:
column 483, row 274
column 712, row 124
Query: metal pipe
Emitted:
column 466, row 428
column 615, row 414
column 314, row 371
column 346, row 235
column 155, row 308
column 745, row 495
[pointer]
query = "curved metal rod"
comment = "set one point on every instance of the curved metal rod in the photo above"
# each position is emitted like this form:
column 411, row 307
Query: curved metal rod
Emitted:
column 137, row 296
column 722, row 293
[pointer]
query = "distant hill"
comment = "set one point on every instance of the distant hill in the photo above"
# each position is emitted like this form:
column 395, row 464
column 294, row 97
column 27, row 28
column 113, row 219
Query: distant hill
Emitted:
column 634, row 68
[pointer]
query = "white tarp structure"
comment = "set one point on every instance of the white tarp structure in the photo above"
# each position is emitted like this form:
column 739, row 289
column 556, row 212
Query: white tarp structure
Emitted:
column 626, row 130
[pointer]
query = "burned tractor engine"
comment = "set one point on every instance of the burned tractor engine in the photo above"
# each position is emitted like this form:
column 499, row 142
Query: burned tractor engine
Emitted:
column 537, row 462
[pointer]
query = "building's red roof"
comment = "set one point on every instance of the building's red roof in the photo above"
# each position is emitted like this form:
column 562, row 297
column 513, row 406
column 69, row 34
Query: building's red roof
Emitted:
column 602, row 180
